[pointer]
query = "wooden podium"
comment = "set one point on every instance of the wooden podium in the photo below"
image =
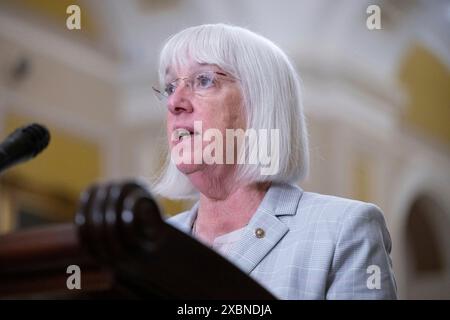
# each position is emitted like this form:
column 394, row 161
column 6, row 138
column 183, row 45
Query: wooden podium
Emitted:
column 124, row 250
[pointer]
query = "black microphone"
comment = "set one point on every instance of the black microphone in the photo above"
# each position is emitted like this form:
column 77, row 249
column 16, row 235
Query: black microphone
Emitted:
column 23, row 144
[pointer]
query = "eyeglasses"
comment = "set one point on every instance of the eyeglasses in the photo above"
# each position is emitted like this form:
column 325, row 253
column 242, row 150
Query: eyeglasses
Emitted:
column 202, row 83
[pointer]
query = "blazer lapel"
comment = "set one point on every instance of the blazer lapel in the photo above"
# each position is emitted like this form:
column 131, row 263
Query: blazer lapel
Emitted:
column 265, row 229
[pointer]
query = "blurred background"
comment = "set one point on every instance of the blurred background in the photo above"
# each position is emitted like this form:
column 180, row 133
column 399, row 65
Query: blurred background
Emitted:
column 377, row 105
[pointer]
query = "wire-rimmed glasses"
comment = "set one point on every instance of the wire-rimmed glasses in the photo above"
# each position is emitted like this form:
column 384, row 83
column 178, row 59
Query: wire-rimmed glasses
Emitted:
column 201, row 83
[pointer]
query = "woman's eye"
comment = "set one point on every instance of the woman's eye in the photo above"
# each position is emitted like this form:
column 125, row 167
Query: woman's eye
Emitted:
column 170, row 88
column 204, row 81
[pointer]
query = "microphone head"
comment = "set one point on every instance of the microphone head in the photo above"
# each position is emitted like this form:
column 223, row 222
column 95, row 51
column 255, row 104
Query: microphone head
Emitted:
column 38, row 137
column 23, row 144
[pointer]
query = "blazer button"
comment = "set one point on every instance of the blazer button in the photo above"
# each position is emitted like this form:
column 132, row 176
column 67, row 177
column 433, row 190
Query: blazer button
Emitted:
column 260, row 233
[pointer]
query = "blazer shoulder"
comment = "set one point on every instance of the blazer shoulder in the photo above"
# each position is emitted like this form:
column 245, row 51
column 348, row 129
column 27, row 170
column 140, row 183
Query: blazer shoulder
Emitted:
column 326, row 207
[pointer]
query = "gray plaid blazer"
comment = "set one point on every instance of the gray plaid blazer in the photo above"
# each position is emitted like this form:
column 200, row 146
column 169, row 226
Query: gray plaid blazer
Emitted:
column 314, row 246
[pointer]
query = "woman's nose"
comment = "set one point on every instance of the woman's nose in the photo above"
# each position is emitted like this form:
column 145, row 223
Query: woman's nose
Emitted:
column 180, row 100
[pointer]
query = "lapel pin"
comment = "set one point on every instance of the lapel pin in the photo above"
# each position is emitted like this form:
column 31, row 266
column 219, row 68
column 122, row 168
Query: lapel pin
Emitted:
column 260, row 233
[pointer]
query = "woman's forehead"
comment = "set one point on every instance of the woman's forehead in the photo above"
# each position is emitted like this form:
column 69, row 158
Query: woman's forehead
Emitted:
column 172, row 70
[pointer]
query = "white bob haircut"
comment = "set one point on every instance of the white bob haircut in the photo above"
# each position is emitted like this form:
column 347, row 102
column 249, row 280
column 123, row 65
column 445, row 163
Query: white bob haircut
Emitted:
column 270, row 88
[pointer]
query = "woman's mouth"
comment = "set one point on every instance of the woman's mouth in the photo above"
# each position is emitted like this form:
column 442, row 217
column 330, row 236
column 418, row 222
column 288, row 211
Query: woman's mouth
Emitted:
column 181, row 134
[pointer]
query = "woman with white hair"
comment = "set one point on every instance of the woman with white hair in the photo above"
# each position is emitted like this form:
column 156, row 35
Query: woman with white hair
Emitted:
column 227, row 90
